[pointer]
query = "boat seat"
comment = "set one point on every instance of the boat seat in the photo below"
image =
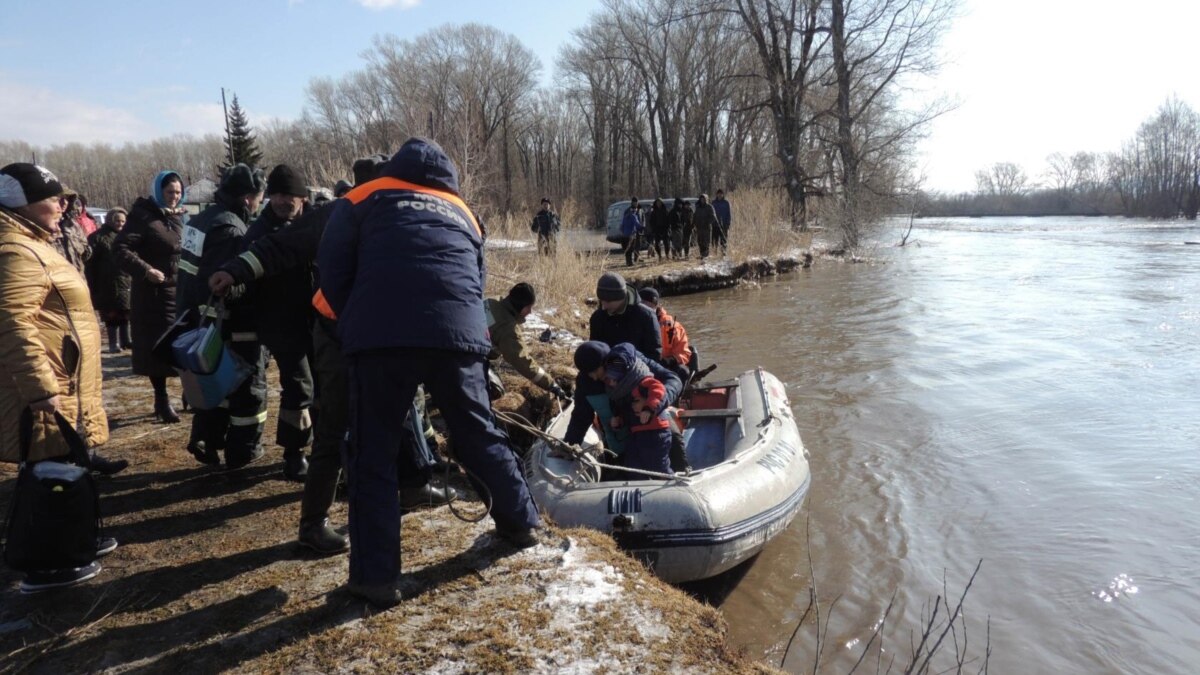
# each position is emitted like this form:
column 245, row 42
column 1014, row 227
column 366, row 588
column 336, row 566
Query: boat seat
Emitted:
column 709, row 386
column 708, row 413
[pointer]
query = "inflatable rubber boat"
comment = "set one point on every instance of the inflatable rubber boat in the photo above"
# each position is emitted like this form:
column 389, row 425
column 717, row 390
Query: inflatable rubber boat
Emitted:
column 748, row 479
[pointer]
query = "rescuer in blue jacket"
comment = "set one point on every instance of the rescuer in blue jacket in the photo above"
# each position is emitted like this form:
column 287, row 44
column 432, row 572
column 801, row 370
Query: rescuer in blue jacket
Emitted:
column 401, row 265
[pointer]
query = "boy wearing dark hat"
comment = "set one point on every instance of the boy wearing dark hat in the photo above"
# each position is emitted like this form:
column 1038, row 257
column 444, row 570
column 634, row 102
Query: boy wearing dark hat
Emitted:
column 283, row 314
column 209, row 240
column 622, row 318
column 505, row 316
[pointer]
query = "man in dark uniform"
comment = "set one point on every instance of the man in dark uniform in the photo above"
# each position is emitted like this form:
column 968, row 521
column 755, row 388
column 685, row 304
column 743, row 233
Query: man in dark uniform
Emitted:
column 284, row 320
column 402, row 268
column 278, row 253
column 208, row 241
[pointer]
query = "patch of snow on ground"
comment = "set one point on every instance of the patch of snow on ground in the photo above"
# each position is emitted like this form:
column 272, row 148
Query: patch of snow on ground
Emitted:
column 580, row 585
column 535, row 326
column 507, row 244
column 717, row 266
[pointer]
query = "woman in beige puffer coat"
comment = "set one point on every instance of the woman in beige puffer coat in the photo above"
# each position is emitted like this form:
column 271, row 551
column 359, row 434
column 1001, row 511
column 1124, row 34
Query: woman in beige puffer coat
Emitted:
column 49, row 338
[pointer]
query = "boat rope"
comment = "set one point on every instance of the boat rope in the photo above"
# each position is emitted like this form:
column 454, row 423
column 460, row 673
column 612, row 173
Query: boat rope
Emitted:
column 591, row 466
column 485, row 495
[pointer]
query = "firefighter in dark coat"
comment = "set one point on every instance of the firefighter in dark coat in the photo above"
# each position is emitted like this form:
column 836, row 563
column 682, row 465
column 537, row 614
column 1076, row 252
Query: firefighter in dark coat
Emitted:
column 209, row 240
column 402, row 268
column 278, row 253
column 283, row 311
column 546, row 226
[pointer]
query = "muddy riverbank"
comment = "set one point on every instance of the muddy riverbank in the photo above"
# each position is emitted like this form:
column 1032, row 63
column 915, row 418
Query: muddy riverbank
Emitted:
column 209, row 578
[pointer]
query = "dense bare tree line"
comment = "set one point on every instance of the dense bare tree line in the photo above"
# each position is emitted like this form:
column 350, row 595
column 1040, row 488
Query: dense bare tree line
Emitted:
column 652, row 97
column 1154, row 175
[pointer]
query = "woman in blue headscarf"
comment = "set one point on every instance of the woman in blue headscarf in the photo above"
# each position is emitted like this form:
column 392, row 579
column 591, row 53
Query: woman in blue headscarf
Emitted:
column 148, row 249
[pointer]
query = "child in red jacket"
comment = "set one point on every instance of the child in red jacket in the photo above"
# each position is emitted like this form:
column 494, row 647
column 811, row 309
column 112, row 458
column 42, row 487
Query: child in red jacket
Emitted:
column 640, row 401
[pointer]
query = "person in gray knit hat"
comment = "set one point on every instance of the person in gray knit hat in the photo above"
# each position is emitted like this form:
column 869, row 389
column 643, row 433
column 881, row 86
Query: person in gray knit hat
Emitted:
column 622, row 317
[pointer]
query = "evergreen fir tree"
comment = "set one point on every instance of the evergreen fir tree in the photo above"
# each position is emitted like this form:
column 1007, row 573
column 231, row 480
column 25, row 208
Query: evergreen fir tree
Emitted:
column 240, row 141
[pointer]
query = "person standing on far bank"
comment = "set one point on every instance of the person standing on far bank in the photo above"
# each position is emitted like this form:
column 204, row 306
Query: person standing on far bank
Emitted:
column 632, row 228
column 546, row 225
column 724, row 220
column 705, row 221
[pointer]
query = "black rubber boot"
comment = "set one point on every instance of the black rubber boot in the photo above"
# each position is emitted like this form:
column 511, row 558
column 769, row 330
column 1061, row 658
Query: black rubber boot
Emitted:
column 114, row 346
column 163, row 411
column 107, row 467
column 295, row 464
column 322, row 538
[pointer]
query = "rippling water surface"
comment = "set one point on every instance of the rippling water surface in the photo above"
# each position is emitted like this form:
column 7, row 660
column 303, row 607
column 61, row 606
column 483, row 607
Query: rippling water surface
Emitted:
column 1021, row 391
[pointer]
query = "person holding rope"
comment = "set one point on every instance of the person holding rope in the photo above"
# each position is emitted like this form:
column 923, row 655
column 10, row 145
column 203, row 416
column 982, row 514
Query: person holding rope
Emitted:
column 505, row 316
column 401, row 264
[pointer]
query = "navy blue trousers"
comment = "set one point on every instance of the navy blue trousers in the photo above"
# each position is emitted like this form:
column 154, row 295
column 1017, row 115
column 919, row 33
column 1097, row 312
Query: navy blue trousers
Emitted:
column 382, row 385
column 648, row 451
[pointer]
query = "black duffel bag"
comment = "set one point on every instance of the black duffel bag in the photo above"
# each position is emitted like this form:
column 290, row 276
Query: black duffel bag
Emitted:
column 54, row 520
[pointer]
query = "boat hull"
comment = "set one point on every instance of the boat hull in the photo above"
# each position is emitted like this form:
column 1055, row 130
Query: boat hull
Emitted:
column 702, row 524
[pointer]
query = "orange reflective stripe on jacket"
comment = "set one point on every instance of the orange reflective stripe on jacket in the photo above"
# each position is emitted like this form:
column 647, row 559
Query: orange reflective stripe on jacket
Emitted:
column 365, row 190
column 358, row 194
column 320, row 304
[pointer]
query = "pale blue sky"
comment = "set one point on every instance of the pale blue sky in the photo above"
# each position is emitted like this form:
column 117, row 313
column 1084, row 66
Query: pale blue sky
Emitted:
column 120, row 70
column 1033, row 76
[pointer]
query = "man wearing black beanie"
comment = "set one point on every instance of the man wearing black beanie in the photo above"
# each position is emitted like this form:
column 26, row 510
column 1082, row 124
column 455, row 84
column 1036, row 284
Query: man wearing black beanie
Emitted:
column 623, row 318
column 210, row 239
column 284, row 320
column 505, row 316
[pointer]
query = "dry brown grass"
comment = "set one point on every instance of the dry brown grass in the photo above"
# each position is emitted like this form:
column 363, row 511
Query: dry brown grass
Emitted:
column 761, row 226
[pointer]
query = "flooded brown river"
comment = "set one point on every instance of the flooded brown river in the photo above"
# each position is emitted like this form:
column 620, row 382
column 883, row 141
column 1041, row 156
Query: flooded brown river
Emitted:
column 1021, row 391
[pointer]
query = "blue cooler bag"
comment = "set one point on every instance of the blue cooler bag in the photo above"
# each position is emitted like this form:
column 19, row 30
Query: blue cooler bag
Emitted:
column 208, row 369
column 205, row 391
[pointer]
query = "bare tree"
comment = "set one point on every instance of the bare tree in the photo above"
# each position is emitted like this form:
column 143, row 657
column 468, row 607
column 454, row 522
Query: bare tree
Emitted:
column 1002, row 179
column 790, row 37
column 875, row 45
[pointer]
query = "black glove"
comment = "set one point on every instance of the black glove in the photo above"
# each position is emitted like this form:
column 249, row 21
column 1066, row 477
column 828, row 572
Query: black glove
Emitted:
column 559, row 393
column 567, row 385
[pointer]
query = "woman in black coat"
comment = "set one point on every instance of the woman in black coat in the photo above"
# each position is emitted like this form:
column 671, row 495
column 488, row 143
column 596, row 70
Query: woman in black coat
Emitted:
column 148, row 249
column 108, row 283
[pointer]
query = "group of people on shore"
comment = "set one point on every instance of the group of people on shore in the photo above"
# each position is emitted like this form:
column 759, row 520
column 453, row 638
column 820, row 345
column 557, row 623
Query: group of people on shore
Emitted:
column 675, row 232
column 364, row 303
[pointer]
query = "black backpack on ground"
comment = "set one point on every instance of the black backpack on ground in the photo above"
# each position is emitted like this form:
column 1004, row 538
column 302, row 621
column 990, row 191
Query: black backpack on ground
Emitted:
column 54, row 519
